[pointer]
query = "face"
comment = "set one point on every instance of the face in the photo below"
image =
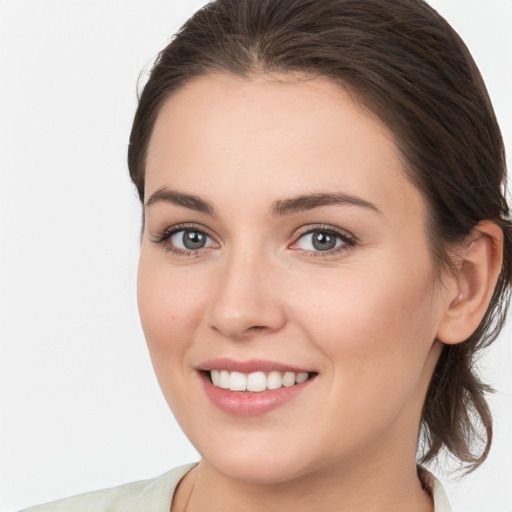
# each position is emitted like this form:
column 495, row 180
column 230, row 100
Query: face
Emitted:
column 283, row 242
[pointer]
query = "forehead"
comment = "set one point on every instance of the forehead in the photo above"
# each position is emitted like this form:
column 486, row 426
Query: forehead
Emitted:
column 274, row 134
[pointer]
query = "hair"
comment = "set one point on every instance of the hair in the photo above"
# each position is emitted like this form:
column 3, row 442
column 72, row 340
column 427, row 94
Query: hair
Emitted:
column 406, row 65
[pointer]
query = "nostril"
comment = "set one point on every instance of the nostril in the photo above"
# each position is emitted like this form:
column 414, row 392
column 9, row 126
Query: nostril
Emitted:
column 257, row 328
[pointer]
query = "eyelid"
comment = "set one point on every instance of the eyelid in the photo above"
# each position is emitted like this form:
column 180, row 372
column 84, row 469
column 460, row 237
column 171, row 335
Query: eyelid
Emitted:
column 170, row 230
column 349, row 240
column 329, row 228
column 162, row 237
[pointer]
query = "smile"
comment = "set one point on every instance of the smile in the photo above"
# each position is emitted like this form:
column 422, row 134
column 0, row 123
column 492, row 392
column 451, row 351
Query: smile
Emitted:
column 256, row 382
column 254, row 387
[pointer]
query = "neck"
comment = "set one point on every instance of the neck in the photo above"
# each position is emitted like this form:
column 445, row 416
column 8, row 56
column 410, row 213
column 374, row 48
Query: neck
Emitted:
column 355, row 487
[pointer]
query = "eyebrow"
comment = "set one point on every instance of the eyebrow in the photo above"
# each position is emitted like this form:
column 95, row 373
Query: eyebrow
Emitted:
column 280, row 207
column 180, row 199
column 311, row 201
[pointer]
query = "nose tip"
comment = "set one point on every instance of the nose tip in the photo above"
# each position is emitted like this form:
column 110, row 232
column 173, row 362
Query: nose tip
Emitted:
column 245, row 303
column 238, row 319
column 237, row 326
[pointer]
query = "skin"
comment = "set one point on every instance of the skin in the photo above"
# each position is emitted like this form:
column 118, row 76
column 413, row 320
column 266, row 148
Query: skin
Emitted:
column 366, row 317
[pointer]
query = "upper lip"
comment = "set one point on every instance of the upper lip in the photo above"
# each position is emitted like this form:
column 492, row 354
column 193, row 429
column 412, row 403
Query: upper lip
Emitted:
column 249, row 366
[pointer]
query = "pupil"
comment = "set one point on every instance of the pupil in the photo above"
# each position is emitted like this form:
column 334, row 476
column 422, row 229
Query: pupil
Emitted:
column 193, row 240
column 324, row 241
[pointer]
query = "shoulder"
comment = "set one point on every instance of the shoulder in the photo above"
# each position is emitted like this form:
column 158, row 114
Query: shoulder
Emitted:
column 435, row 488
column 155, row 494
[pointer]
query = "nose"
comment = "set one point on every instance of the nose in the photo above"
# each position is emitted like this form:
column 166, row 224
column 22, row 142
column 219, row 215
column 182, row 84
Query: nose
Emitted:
column 246, row 299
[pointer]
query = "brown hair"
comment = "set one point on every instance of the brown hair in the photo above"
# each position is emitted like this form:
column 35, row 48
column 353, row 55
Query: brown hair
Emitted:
column 406, row 65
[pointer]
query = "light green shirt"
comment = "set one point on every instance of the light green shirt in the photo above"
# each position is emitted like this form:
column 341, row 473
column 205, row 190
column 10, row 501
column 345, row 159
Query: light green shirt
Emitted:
column 156, row 495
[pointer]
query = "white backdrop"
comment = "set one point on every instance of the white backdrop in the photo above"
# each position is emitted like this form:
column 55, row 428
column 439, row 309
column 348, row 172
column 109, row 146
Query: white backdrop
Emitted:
column 80, row 408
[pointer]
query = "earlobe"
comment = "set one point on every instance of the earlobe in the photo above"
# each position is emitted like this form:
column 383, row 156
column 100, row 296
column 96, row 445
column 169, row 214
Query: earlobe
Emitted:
column 479, row 264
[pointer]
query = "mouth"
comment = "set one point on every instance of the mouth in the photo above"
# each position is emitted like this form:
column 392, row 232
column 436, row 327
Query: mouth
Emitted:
column 256, row 382
column 250, row 388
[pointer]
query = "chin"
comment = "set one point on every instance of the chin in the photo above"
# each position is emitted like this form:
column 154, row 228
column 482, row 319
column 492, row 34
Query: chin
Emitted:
column 263, row 468
column 260, row 457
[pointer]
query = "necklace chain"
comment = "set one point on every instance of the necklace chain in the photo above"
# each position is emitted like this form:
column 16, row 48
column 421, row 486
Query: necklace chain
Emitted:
column 191, row 491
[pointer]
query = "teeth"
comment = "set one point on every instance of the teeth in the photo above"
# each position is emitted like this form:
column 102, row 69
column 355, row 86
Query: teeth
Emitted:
column 238, row 381
column 301, row 377
column 224, row 379
column 289, row 379
column 274, row 380
column 256, row 381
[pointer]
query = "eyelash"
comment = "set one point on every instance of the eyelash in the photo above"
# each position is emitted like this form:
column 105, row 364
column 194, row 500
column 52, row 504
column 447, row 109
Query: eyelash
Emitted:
column 348, row 240
column 164, row 236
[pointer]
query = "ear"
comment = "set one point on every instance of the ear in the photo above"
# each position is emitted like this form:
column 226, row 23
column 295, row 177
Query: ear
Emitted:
column 478, row 265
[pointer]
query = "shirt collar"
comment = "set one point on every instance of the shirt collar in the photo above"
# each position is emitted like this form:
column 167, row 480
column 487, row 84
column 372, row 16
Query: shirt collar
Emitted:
column 434, row 487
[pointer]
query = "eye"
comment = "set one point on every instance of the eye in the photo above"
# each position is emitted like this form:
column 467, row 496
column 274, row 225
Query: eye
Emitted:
column 184, row 240
column 190, row 240
column 323, row 240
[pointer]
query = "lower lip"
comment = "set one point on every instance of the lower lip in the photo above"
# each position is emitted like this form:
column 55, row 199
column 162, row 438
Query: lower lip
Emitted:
column 245, row 403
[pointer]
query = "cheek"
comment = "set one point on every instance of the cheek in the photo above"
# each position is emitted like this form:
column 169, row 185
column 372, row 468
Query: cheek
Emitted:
column 169, row 307
column 376, row 334
column 373, row 325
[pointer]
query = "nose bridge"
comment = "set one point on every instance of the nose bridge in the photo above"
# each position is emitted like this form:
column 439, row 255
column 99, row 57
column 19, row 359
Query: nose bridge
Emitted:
column 244, row 300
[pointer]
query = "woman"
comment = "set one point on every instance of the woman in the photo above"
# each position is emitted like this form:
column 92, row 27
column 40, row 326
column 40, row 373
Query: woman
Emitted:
column 325, row 250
